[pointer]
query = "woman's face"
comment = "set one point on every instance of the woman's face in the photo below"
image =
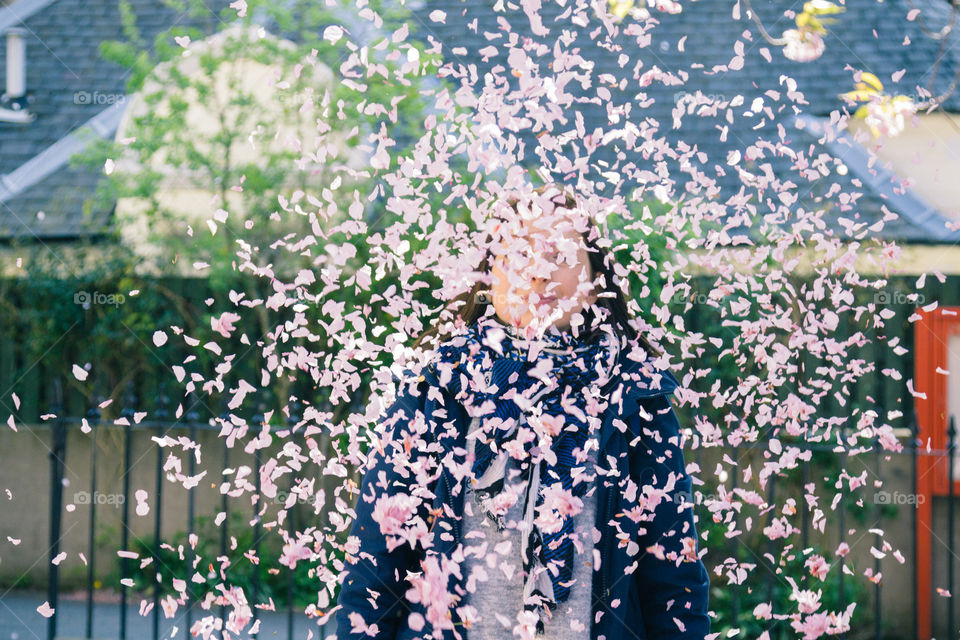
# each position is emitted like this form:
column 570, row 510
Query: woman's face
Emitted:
column 541, row 275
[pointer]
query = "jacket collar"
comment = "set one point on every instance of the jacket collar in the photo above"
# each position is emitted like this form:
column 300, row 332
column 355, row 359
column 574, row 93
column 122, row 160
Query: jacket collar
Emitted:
column 638, row 380
column 634, row 382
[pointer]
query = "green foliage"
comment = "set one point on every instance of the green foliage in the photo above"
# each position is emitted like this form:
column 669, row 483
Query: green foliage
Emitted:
column 210, row 159
column 733, row 604
column 274, row 578
column 89, row 306
column 160, row 139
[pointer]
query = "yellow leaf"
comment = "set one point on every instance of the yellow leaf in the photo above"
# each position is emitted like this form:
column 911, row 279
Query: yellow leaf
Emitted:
column 858, row 95
column 620, row 8
column 872, row 80
column 809, row 21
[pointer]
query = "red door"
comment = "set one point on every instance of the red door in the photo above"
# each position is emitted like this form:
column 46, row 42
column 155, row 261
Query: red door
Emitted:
column 936, row 398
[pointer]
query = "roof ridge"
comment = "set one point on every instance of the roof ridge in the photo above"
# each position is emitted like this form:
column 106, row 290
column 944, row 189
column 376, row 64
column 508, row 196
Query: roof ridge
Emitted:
column 57, row 154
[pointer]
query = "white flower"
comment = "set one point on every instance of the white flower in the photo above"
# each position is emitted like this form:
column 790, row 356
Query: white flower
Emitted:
column 888, row 117
column 667, row 6
column 803, row 45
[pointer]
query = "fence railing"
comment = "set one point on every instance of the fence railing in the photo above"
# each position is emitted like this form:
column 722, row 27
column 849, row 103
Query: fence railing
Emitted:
column 160, row 426
column 885, row 618
column 879, row 459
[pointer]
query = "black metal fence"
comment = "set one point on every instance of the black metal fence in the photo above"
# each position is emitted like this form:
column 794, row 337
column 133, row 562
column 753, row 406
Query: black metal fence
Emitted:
column 161, row 425
column 881, row 620
column 878, row 619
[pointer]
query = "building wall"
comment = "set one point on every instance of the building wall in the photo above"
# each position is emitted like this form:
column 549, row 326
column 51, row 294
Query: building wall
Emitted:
column 926, row 152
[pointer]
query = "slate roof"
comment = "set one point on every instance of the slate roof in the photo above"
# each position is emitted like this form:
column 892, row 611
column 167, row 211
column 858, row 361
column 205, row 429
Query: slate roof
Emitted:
column 69, row 83
column 63, row 59
column 868, row 36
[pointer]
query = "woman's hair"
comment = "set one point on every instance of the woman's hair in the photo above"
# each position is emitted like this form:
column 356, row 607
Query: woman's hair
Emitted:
column 610, row 298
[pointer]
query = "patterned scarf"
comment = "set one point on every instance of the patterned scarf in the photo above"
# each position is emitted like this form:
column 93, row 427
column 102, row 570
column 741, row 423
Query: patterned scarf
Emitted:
column 506, row 376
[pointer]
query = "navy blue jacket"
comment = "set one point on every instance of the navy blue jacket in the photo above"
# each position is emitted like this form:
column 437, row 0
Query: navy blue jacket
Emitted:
column 644, row 587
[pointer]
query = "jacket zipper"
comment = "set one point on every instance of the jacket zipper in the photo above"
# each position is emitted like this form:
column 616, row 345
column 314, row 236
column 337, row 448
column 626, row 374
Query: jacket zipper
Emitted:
column 457, row 523
column 604, row 591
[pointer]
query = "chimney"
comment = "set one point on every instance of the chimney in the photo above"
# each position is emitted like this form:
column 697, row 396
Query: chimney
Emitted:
column 16, row 63
column 13, row 103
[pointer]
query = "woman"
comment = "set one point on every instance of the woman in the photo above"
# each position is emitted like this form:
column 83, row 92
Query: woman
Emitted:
column 530, row 482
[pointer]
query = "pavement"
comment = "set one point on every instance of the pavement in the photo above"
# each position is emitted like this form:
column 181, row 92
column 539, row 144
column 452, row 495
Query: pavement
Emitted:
column 19, row 620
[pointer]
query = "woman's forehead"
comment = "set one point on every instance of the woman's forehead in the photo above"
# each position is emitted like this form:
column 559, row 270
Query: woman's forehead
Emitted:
column 542, row 228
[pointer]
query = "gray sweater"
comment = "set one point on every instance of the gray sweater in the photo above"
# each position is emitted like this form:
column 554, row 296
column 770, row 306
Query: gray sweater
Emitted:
column 498, row 597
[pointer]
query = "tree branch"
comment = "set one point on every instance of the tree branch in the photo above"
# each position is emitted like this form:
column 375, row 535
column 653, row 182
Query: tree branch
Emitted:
column 763, row 32
column 947, row 28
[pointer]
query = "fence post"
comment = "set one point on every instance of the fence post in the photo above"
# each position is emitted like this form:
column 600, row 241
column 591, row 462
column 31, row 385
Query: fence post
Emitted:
column 260, row 420
column 162, row 414
column 878, row 543
column 952, row 435
column 735, row 593
column 192, row 416
column 914, row 452
column 224, row 493
column 771, row 564
column 127, row 414
column 841, row 516
column 57, row 456
column 292, row 421
column 93, row 416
